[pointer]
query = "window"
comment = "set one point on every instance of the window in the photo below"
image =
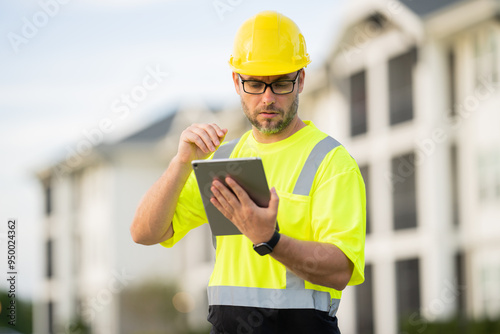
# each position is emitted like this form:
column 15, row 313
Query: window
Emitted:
column 452, row 93
column 401, row 87
column 358, row 103
column 48, row 198
column 497, row 186
column 489, row 288
column 50, row 317
column 49, row 260
column 404, row 192
column 454, row 184
column 489, row 175
column 364, row 303
column 408, row 288
column 365, row 172
column 460, row 273
column 486, row 56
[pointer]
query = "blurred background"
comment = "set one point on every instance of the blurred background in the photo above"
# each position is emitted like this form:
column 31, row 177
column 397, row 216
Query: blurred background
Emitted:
column 94, row 96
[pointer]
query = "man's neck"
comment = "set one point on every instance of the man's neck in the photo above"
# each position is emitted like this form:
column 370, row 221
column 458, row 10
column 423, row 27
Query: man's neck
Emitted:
column 292, row 128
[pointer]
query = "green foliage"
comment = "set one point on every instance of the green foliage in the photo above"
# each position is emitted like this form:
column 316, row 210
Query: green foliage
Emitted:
column 23, row 313
column 77, row 326
column 456, row 325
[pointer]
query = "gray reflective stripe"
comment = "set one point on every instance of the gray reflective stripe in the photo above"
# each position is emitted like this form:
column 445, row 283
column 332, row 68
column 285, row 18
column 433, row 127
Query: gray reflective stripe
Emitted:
column 225, row 150
column 293, row 281
column 272, row 298
column 318, row 153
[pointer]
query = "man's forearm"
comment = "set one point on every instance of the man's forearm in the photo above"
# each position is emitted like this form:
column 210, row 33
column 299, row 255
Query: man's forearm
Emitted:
column 319, row 263
column 153, row 219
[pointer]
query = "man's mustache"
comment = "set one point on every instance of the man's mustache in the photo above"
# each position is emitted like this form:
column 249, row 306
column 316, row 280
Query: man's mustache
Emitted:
column 270, row 107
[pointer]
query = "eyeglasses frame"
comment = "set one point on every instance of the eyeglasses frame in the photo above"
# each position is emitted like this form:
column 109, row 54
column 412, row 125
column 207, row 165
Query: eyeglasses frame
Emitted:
column 270, row 85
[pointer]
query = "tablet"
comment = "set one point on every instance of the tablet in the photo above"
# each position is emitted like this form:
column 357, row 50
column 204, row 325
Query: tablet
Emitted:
column 248, row 172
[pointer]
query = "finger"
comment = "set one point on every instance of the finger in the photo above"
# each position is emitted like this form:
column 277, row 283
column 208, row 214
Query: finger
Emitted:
column 241, row 194
column 215, row 132
column 229, row 196
column 207, row 136
column 221, row 133
column 194, row 138
column 212, row 132
column 223, row 201
column 219, row 206
column 274, row 201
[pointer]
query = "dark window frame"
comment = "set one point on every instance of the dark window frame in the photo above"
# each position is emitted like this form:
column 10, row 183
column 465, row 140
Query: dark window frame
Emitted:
column 401, row 68
column 408, row 288
column 365, row 312
column 404, row 192
column 358, row 111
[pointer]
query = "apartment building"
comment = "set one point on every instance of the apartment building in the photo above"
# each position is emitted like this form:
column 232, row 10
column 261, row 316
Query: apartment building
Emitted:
column 91, row 263
column 411, row 88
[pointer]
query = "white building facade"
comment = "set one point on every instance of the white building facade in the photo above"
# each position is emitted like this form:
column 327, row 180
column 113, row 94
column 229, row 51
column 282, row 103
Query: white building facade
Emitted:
column 412, row 90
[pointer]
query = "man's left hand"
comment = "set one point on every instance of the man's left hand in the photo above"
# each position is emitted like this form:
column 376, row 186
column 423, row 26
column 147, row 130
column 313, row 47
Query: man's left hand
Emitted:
column 257, row 223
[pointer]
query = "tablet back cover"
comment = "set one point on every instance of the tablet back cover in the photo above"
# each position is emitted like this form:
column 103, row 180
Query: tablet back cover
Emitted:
column 248, row 172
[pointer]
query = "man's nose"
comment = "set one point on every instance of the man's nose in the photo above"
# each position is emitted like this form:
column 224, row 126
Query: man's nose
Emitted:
column 268, row 97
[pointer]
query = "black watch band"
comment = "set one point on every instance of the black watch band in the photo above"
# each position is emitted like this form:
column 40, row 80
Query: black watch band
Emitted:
column 265, row 248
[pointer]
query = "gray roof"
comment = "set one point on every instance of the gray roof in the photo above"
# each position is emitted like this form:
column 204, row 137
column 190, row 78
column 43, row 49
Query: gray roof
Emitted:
column 425, row 7
column 154, row 132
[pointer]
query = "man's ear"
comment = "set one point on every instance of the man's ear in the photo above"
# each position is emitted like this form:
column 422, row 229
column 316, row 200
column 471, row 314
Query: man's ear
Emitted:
column 302, row 77
column 236, row 80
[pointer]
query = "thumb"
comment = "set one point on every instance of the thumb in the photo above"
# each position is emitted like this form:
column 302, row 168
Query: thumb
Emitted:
column 274, row 201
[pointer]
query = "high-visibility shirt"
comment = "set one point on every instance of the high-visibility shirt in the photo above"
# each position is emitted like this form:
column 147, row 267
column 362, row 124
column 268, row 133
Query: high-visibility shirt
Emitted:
column 321, row 198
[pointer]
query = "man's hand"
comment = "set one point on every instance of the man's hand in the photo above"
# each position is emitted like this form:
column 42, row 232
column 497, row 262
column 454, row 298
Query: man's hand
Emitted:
column 198, row 141
column 256, row 223
column 153, row 219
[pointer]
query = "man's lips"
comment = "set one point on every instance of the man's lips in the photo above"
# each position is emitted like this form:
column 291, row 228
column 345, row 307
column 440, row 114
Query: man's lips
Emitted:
column 268, row 114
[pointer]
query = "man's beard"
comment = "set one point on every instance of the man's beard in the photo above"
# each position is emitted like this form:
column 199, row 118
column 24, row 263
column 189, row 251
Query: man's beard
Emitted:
column 270, row 126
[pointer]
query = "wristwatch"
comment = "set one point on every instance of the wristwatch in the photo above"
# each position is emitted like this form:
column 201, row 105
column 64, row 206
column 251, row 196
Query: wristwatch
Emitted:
column 265, row 248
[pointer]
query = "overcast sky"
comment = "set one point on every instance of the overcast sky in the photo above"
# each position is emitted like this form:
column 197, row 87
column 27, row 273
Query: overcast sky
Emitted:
column 67, row 64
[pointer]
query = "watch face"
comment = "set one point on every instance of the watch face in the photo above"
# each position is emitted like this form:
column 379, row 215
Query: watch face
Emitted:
column 263, row 249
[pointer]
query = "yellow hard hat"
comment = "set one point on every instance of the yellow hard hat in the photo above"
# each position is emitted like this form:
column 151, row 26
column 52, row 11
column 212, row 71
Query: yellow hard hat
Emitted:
column 268, row 43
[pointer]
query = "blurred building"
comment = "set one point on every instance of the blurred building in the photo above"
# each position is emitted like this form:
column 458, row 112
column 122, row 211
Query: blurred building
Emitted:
column 411, row 88
column 90, row 260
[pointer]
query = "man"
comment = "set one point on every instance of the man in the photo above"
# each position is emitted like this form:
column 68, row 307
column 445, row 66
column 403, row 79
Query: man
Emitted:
column 265, row 281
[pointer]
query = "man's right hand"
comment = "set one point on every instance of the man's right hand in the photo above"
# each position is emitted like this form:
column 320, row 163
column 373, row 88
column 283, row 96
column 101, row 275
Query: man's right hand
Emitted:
column 198, row 141
column 152, row 221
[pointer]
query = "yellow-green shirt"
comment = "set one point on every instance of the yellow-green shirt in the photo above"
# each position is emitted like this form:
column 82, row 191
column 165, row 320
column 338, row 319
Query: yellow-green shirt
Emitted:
column 333, row 212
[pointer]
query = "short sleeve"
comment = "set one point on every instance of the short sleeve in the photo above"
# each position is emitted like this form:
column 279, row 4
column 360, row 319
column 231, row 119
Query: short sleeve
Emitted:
column 189, row 212
column 339, row 216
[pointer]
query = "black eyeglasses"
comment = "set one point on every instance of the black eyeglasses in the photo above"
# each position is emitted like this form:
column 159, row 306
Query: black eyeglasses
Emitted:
column 280, row 87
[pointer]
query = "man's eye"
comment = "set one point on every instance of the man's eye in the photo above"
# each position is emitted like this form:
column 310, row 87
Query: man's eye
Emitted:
column 253, row 84
column 281, row 84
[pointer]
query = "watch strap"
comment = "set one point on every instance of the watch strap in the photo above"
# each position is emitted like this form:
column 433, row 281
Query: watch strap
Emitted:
column 274, row 240
column 265, row 248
